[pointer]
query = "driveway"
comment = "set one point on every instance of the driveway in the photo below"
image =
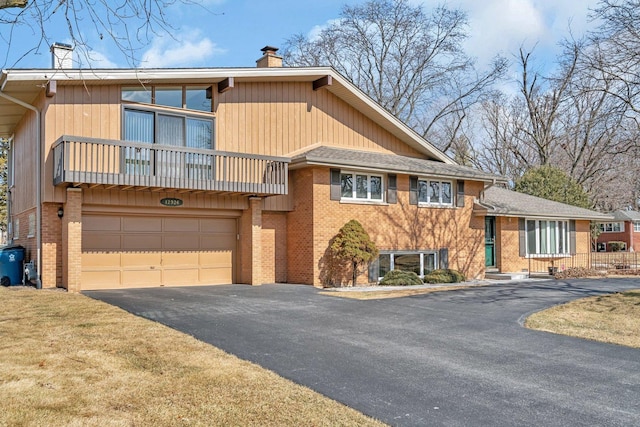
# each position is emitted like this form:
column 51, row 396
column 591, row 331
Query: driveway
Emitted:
column 455, row 358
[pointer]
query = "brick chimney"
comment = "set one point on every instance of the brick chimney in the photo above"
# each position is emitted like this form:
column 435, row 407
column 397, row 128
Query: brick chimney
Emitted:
column 269, row 58
column 61, row 55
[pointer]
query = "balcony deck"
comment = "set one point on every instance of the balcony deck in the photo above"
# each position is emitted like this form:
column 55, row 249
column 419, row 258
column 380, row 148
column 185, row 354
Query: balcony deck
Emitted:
column 94, row 162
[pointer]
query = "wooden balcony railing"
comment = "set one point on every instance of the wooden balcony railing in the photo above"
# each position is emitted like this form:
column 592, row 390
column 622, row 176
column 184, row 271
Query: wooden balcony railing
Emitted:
column 80, row 160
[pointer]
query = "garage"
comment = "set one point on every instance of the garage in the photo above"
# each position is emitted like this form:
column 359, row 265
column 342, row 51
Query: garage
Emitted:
column 123, row 251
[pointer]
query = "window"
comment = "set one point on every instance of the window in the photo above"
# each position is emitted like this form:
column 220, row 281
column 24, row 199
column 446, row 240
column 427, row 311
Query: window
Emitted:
column 435, row 192
column 168, row 129
column 611, row 227
column 359, row 186
column 188, row 97
column 16, row 229
column 421, row 262
column 546, row 237
column 32, row 225
column 636, row 226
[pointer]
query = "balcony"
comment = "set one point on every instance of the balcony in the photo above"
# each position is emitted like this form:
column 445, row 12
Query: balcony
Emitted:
column 123, row 164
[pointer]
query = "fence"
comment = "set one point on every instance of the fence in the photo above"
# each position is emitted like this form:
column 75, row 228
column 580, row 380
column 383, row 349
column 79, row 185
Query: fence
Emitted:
column 604, row 261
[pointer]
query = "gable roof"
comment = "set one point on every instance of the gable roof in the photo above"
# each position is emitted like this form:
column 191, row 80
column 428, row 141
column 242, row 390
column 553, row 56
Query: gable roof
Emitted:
column 387, row 163
column 25, row 85
column 502, row 202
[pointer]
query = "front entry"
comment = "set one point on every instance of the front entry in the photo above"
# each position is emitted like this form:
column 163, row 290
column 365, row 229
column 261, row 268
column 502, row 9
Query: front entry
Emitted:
column 490, row 241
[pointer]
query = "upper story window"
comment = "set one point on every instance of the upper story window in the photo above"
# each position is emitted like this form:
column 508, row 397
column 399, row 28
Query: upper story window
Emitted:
column 167, row 128
column 546, row 237
column 435, row 192
column 361, row 186
column 611, row 227
column 187, row 97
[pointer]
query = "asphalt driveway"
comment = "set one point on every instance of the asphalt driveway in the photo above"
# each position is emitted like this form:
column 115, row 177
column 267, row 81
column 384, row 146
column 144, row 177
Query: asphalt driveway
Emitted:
column 455, row 358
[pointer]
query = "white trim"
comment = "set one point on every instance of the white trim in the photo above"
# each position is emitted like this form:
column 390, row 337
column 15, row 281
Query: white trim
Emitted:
column 439, row 203
column 564, row 235
column 354, row 189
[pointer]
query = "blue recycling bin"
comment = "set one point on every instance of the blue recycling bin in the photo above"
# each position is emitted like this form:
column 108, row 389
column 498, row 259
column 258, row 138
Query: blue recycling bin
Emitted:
column 11, row 259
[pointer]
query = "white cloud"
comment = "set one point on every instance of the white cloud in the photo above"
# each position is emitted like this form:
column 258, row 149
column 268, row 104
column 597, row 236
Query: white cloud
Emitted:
column 503, row 26
column 100, row 60
column 190, row 51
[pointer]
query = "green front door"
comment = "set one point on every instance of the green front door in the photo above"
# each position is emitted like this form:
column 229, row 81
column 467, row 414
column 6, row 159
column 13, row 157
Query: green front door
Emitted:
column 490, row 241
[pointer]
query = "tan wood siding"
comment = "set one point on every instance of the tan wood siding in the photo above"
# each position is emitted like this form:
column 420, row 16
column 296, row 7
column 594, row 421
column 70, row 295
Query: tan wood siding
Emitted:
column 149, row 199
column 280, row 118
column 92, row 111
column 25, row 165
column 141, row 251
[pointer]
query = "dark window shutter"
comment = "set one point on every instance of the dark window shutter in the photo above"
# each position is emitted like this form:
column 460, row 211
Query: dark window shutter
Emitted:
column 522, row 233
column 572, row 236
column 413, row 190
column 392, row 189
column 460, row 198
column 443, row 258
column 336, row 192
column 374, row 270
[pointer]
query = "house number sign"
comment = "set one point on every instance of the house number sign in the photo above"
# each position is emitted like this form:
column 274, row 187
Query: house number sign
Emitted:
column 170, row 201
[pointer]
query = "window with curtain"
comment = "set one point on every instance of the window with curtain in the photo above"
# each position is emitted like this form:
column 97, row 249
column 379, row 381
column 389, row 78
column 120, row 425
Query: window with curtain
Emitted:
column 167, row 129
column 547, row 237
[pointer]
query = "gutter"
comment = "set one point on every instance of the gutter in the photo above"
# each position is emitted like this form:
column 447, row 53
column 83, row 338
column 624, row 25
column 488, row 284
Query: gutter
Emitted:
column 38, row 177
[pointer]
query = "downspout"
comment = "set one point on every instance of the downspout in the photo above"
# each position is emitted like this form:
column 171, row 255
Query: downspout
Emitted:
column 38, row 177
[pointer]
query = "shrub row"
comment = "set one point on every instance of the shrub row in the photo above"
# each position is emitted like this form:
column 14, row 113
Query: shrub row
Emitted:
column 409, row 278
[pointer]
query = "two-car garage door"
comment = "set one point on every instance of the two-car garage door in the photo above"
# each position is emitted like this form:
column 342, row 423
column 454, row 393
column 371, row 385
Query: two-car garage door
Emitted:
column 138, row 251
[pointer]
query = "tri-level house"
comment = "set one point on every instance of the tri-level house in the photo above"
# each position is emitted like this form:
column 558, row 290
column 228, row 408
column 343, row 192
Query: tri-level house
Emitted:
column 167, row 177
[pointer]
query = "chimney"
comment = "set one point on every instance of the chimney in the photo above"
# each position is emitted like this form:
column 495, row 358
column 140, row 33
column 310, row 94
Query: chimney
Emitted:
column 269, row 58
column 61, row 55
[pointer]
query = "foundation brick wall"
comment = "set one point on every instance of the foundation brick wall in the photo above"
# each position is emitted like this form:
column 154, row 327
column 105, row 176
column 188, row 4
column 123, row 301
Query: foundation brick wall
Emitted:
column 51, row 246
column 300, row 229
column 72, row 241
column 274, row 247
column 398, row 226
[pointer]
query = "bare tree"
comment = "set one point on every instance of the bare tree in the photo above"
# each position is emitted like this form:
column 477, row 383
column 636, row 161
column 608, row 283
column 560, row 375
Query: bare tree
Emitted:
column 129, row 24
column 410, row 62
column 613, row 52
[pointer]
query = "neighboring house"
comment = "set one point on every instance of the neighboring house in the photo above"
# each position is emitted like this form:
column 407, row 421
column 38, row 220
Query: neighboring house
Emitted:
column 528, row 233
column 621, row 233
column 166, row 177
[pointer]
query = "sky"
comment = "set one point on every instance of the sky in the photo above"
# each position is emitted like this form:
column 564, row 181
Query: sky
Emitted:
column 230, row 33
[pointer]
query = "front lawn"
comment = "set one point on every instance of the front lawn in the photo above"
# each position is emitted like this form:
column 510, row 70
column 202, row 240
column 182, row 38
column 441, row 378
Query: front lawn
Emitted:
column 70, row 360
column 609, row 318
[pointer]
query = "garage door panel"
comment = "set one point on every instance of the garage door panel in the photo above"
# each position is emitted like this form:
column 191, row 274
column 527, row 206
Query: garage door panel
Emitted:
column 175, row 259
column 142, row 277
column 218, row 225
column 101, row 223
column 216, row 259
column 188, row 225
column 142, row 241
column 95, row 241
column 141, row 259
column 101, row 260
column 101, row 279
column 181, row 276
column 181, row 241
column 130, row 251
column 217, row 241
column 216, row 276
column 137, row 224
